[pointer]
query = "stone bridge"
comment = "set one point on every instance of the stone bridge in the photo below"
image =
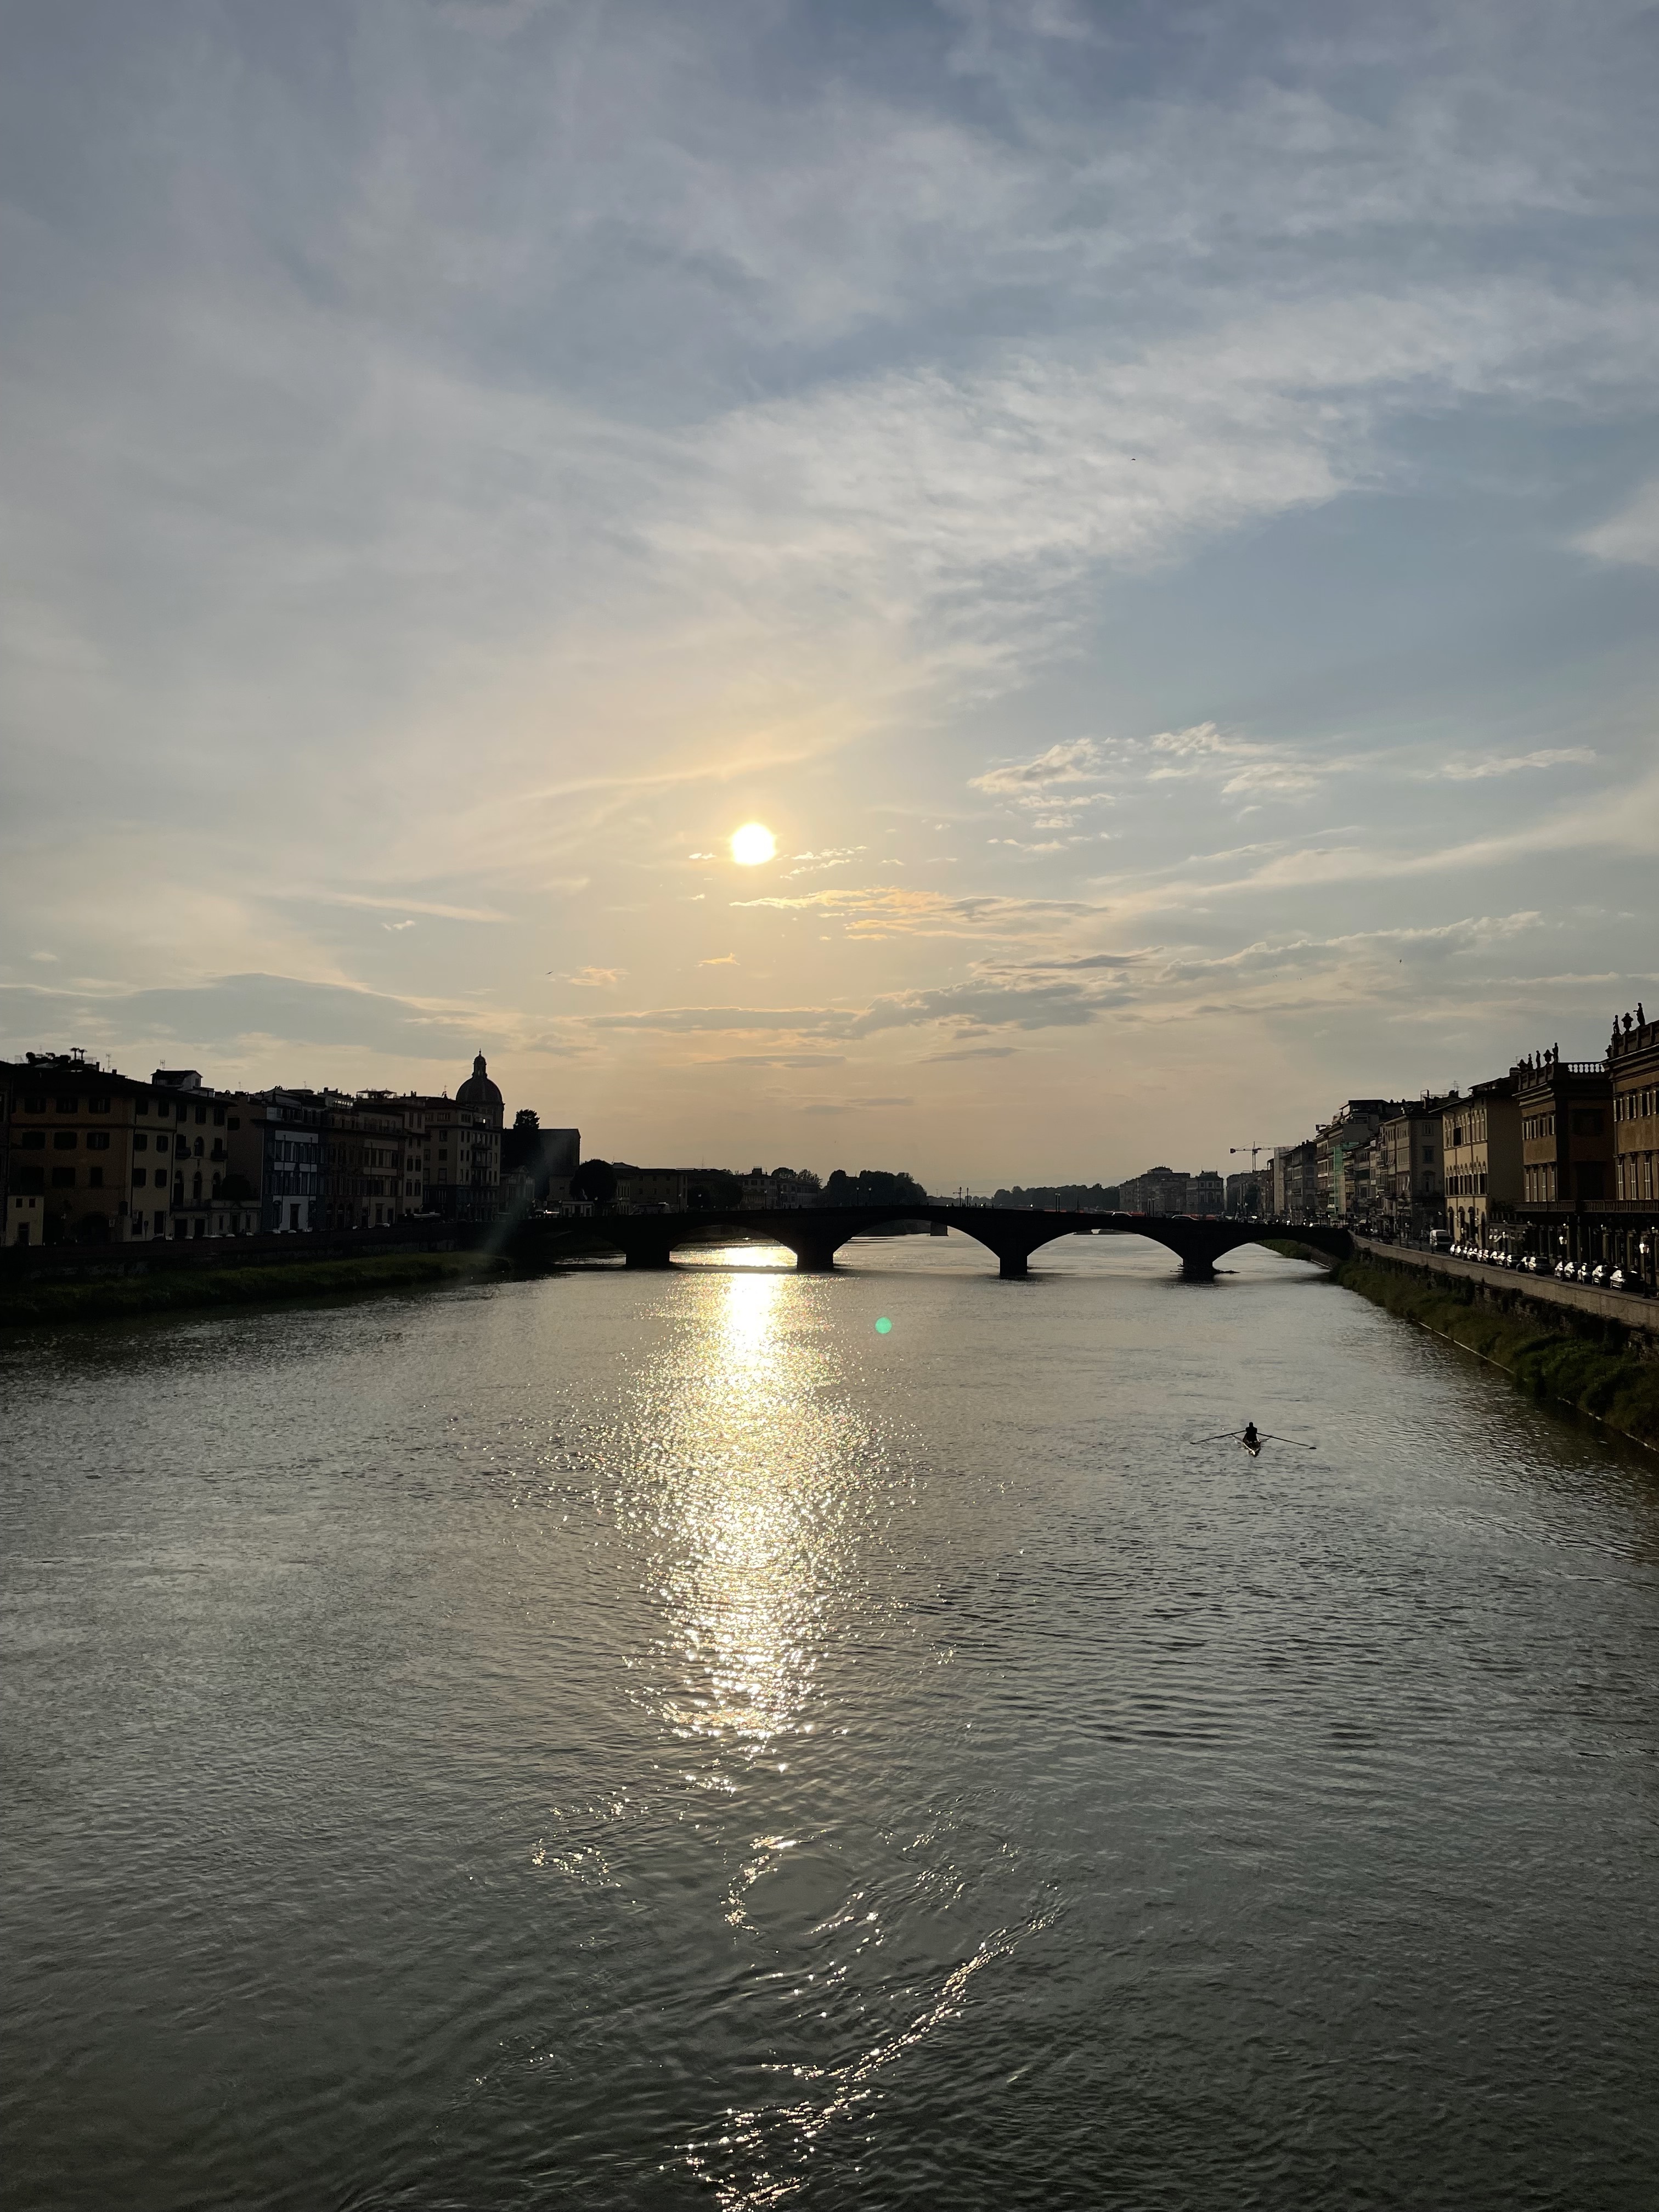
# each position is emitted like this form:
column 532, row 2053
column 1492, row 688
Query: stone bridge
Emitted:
column 815, row 1234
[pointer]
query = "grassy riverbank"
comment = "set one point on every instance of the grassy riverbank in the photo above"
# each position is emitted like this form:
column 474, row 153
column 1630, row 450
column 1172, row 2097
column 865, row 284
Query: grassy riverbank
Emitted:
column 195, row 1289
column 1618, row 1388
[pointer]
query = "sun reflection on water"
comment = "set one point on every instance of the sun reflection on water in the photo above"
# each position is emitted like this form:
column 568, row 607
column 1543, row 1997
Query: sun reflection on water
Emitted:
column 753, row 1537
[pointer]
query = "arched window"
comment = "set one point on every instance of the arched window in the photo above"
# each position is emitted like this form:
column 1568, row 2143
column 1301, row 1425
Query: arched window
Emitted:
column 196, row 1184
column 215, row 1186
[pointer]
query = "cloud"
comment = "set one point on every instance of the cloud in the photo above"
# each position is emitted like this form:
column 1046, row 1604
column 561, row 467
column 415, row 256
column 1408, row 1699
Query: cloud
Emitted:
column 1035, row 1005
column 974, row 1051
column 1248, row 768
column 1475, row 769
column 852, row 1105
column 696, row 1020
column 808, row 864
column 776, row 1060
column 409, row 906
column 1631, row 535
column 1061, row 764
column 594, row 978
column 721, row 960
column 886, row 911
column 284, row 1013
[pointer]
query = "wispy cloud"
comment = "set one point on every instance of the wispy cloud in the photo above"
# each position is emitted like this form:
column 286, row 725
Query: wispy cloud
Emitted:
column 1631, row 535
column 1241, row 767
column 1476, row 769
column 1072, row 763
column 885, row 910
column 430, row 907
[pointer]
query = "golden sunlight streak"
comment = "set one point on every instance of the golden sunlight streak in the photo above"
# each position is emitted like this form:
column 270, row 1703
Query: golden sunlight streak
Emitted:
column 753, row 844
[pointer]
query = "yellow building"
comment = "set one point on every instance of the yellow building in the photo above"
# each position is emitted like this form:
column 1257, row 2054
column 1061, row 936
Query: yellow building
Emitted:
column 1480, row 1151
column 77, row 1133
column 1633, row 1069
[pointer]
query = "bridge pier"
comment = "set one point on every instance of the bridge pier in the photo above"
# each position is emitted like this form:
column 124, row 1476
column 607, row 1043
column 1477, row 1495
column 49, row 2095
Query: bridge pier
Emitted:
column 815, row 1256
column 638, row 1252
column 1013, row 1266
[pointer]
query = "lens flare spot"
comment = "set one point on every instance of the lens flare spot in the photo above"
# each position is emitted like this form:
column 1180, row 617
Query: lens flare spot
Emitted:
column 752, row 844
column 884, row 1327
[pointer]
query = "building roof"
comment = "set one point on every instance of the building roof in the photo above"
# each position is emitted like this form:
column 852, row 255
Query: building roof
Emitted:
column 478, row 1089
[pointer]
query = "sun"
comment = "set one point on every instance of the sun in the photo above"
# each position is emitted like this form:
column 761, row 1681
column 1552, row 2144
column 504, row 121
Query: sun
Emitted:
column 752, row 844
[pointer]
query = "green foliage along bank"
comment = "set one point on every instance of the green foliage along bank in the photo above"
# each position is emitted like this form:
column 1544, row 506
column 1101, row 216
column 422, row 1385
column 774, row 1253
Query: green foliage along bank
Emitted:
column 1616, row 1385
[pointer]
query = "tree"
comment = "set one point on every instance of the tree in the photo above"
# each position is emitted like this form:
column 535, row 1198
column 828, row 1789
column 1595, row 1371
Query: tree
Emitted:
column 872, row 1187
column 595, row 1182
column 521, row 1143
column 715, row 1190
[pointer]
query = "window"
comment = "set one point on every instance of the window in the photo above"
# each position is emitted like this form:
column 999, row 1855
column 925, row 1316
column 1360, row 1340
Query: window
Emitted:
column 140, row 1176
column 218, row 1117
column 199, row 1148
column 201, row 1113
column 69, row 1105
column 95, row 1178
column 63, row 1140
column 97, row 1105
column 143, row 1105
column 35, row 1105
column 97, row 1141
column 141, row 1142
column 62, row 1178
column 33, row 1140
column 234, row 1122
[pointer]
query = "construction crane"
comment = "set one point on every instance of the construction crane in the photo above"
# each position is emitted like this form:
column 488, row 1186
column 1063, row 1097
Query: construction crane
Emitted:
column 1234, row 1151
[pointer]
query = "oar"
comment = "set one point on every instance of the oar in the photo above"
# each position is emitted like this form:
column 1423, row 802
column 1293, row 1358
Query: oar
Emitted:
column 1219, row 1436
column 1269, row 1438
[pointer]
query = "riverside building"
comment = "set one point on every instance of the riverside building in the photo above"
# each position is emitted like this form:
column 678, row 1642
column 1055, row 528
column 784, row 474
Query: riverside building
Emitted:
column 1481, row 1144
column 460, row 1148
column 1349, row 1130
column 1567, row 1130
column 1408, row 1197
column 77, row 1135
column 1633, row 1074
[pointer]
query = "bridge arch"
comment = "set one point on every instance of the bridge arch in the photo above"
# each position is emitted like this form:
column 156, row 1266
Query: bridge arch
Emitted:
column 815, row 1234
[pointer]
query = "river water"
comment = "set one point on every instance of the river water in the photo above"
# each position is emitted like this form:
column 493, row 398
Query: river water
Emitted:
column 656, row 1741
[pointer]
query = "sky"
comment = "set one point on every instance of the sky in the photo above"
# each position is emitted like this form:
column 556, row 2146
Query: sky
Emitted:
column 1155, row 506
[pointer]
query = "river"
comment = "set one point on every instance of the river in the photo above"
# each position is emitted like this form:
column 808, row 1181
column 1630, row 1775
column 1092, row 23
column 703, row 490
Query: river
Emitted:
column 658, row 1741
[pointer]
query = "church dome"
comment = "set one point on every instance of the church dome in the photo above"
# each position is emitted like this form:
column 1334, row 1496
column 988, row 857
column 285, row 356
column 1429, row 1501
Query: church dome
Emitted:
column 478, row 1091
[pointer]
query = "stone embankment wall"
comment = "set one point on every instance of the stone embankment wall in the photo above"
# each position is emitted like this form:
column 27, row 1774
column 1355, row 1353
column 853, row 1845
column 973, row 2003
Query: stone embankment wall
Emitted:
column 1562, row 1345
column 1559, row 1305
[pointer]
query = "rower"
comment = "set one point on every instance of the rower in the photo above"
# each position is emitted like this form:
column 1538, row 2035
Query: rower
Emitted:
column 1249, row 1439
